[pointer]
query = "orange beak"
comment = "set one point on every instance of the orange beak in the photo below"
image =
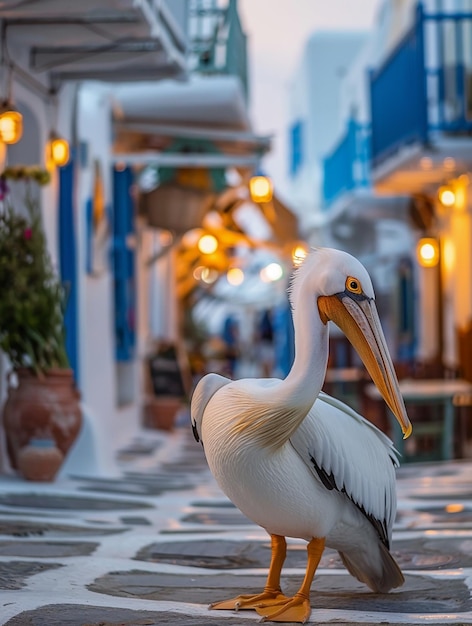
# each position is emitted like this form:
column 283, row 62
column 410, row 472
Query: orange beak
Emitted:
column 359, row 320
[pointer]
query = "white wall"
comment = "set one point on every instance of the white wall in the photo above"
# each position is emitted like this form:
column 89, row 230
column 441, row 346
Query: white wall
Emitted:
column 315, row 100
column 112, row 424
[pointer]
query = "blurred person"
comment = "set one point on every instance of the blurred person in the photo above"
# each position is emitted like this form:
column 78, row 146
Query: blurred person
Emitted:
column 266, row 343
column 230, row 336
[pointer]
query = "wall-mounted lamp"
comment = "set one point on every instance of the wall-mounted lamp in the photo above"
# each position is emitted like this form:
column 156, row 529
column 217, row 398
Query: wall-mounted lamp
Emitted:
column 58, row 150
column 427, row 252
column 261, row 189
column 11, row 123
column 447, row 196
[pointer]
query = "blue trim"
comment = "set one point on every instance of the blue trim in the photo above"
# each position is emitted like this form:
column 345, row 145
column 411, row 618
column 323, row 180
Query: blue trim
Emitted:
column 124, row 265
column 403, row 91
column 296, row 147
column 68, row 261
column 89, row 235
column 347, row 166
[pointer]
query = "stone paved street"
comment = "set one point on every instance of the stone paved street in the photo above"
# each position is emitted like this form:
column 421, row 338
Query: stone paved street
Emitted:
column 158, row 544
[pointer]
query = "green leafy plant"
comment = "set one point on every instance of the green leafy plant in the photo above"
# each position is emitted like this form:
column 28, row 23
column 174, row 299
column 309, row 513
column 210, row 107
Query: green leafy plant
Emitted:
column 32, row 297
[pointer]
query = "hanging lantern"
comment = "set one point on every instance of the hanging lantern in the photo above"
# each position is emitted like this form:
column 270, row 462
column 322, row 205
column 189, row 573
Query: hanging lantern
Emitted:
column 58, row 150
column 11, row 124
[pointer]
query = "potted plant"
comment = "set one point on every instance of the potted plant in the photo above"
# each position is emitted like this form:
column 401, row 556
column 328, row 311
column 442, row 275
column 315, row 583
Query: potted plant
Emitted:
column 42, row 412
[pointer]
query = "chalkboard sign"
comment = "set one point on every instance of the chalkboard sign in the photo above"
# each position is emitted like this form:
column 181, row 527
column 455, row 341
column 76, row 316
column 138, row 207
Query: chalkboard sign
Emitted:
column 166, row 373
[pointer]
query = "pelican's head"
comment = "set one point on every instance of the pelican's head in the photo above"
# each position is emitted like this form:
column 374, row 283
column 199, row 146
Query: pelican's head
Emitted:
column 345, row 296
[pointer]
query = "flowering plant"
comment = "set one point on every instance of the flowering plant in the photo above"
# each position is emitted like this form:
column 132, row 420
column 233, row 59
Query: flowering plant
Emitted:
column 32, row 296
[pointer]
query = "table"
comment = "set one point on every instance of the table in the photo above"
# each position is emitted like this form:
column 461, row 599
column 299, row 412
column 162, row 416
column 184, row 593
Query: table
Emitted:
column 343, row 383
column 429, row 392
column 343, row 375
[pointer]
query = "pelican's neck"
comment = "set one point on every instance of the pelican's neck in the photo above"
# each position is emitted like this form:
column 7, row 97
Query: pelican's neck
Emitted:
column 272, row 420
column 305, row 380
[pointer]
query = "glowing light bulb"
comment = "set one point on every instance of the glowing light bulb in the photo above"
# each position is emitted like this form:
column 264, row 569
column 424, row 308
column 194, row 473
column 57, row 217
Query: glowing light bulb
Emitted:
column 235, row 276
column 260, row 188
column 428, row 252
column 271, row 273
column 208, row 244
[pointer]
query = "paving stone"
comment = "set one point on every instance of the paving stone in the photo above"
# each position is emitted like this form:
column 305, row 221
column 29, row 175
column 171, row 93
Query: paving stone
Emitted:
column 72, row 503
column 223, row 554
column 135, row 521
column 419, row 595
column 217, row 518
column 86, row 615
column 22, row 528
column 135, row 486
column 222, row 504
column 435, row 554
column 13, row 574
column 46, row 549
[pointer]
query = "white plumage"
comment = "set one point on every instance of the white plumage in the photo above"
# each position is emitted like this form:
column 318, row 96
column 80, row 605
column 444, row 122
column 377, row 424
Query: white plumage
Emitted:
column 300, row 463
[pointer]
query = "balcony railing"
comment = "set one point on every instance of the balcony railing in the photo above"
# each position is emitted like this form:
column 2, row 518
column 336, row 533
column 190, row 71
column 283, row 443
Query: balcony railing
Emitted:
column 425, row 84
column 347, row 167
column 218, row 42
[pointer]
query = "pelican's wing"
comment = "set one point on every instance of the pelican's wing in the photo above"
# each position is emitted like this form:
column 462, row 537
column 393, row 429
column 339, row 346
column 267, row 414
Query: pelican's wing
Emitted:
column 202, row 394
column 348, row 453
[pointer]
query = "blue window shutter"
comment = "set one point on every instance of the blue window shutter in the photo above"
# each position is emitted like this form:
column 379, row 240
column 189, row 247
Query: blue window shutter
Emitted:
column 68, row 261
column 124, row 265
column 296, row 147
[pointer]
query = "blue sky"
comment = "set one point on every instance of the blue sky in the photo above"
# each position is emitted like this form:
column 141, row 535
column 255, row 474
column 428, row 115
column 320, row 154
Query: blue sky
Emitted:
column 278, row 30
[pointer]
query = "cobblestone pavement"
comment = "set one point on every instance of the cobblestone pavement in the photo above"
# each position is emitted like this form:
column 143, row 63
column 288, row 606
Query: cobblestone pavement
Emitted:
column 156, row 545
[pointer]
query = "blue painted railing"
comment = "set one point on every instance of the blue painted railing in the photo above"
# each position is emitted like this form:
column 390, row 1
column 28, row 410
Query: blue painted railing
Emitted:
column 424, row 85
column 347, row 167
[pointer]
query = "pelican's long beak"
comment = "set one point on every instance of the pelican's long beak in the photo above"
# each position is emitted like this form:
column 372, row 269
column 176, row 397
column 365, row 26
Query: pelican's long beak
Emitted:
column 359, row 320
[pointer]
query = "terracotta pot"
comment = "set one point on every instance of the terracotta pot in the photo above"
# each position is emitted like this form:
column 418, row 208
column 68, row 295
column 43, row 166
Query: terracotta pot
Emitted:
column 40, row 460
column 42, row 408
column 161, row 412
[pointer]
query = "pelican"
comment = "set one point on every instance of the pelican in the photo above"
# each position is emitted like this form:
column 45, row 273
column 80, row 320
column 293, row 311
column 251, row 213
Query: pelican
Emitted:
column 300, row 463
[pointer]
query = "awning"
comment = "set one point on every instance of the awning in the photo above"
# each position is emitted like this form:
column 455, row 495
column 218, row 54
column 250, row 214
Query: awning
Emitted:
column 113, row 40
column 200, row 123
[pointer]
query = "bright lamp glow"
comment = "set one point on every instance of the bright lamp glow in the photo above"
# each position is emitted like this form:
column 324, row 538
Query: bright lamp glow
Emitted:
column 260, row 188
column 299, row 253
column 447, row 197
column 11, row 125
column 59, row 150
column 271, row 273
column 427, row 252
column 235, row 276
column 208, row 244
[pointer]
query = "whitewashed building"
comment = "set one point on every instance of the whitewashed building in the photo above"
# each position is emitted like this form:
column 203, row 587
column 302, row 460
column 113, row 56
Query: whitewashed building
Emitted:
column 127, row 83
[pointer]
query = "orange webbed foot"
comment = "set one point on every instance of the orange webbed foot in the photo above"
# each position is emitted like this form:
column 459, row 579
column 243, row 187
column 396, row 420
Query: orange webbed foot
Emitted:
column 267, row 597
column 296, row 609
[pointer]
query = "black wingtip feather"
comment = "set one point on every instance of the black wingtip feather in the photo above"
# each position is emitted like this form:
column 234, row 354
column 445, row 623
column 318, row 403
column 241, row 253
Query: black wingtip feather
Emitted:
column 330, row 484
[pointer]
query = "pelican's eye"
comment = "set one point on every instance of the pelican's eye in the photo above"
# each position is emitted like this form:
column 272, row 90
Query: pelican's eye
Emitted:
column 353, row 285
